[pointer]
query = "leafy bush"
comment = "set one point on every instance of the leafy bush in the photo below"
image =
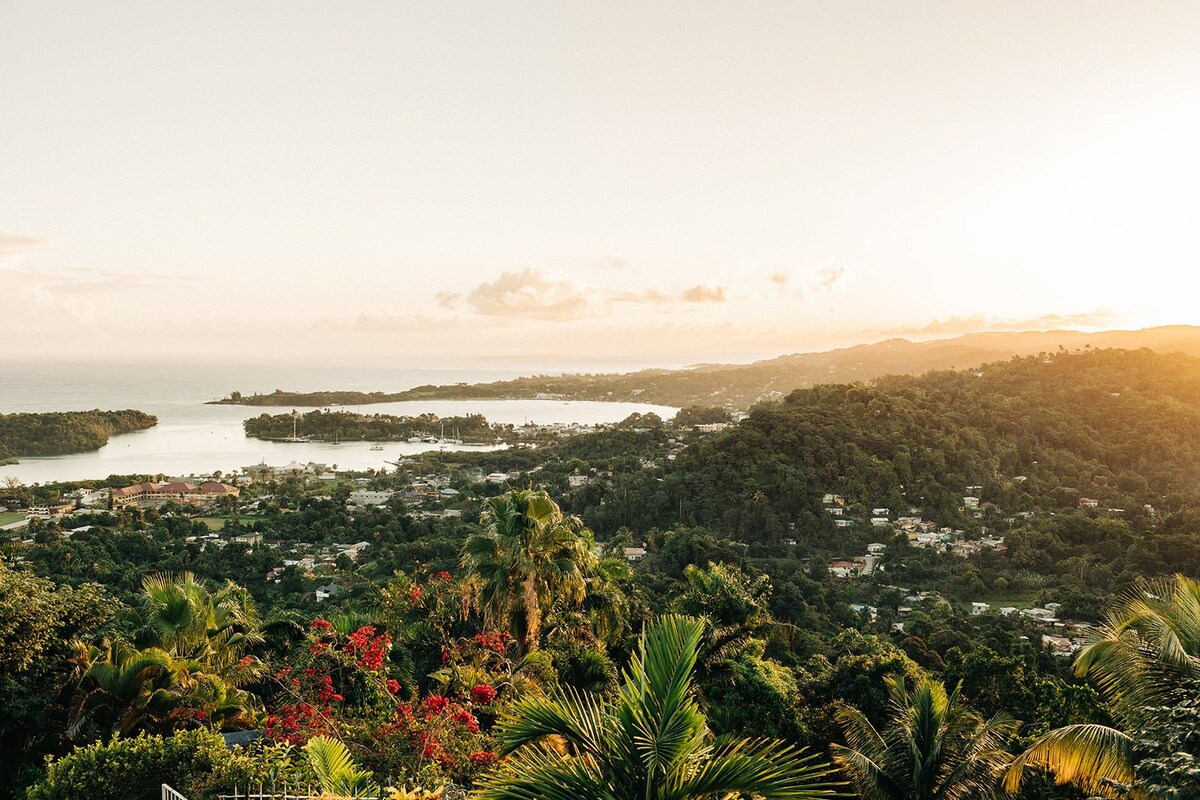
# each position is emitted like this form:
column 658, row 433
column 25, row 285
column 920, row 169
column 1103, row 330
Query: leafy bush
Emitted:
column 196, row 762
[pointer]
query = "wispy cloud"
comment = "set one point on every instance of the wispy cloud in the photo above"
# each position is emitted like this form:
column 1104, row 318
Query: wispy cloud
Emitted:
column 978, row 323
column 15, row 243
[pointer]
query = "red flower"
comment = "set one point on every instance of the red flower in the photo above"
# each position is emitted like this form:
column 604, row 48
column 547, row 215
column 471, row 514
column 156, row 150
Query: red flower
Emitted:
column 319, row 624
column 483, row 757
column 393, row 685
column 415, row 594
column 445, row 576
column 483, row 694
column 435, row 704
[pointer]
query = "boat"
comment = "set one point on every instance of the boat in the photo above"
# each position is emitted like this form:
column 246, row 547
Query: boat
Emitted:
column 376, row 447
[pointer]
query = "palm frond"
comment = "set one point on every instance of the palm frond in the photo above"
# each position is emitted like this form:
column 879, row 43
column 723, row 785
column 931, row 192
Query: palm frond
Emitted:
column 759, row 767
column 1093, row 757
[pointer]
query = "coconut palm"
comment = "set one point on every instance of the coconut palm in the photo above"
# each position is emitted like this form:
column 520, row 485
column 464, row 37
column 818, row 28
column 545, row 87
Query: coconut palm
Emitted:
column 1144, row 655
column 650, row 742
column 934, row 746
column 528, row 554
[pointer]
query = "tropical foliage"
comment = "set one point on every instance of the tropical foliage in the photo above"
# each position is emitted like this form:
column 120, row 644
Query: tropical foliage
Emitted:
column 934, row 747
column 528, row 556
column 650, row 741
column 1146, row 661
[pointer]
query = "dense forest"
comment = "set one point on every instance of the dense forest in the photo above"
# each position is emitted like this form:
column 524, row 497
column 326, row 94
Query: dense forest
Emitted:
column 655, row 587
column 336, row 425
column 58, row 433
column 738, row 386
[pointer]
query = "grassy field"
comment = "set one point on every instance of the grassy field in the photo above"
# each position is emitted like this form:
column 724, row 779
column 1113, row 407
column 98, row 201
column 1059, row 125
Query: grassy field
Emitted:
column 9, row 517
column 213, row 523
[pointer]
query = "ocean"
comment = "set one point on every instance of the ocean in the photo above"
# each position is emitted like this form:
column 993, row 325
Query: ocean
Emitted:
column 193, row 439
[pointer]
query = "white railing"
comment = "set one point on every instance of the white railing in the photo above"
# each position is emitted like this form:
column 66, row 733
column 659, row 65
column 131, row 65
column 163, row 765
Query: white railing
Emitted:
column 170, row 794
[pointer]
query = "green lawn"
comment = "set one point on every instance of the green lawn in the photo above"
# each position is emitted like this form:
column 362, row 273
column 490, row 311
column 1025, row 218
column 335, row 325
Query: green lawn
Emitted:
column 213, row 523
column 9, row 517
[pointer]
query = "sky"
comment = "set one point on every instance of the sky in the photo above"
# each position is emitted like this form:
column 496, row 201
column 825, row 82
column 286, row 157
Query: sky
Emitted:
column 590, row 182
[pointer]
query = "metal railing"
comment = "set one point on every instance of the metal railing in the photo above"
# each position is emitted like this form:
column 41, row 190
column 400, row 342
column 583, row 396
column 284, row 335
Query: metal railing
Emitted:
column 170, row 794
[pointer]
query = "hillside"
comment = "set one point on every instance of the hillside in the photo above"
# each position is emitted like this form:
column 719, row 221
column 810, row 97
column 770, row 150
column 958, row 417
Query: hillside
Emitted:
column 739, row 386
column 1034, row 433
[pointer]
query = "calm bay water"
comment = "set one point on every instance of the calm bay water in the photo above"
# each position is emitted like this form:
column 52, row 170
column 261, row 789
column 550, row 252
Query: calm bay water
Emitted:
column 192, row 438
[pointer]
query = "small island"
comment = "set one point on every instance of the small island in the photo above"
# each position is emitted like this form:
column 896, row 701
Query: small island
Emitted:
column 338, row 426
column 58, row 433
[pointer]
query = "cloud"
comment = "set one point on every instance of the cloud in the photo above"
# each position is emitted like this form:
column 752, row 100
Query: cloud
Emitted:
column 825, row 279
column 705, row 294
column 15, row 247
column 531, row 294
column 977, row 323
column 448, row 300
column 644, row 296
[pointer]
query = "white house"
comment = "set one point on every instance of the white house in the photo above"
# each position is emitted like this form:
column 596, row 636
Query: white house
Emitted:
column 978, row 609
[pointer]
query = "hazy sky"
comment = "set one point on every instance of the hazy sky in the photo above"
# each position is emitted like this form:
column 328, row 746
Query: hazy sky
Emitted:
column 654, row 182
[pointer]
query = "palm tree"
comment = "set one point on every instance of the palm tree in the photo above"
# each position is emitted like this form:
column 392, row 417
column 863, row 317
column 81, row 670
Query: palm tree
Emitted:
column 1146, row 652
column 528, row 554
column 650, row 742
column 336, row 771
column 189, row 655
column 933, row 747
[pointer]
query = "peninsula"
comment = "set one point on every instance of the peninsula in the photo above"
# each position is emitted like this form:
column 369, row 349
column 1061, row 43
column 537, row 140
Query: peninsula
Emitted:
column 739, row 386
column 59, row 433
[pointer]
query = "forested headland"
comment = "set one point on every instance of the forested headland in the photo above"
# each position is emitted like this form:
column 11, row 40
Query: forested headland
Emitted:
column 61, row 432
column 346, row 425
column 932, row 585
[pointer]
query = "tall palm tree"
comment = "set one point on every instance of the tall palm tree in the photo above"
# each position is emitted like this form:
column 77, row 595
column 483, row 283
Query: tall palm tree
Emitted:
column 650, row 742
column 528, row 554
column 934, row 747
column 1146, row 651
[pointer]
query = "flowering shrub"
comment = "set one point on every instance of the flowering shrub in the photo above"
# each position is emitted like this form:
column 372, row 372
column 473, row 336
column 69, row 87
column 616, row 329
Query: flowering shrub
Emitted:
column 438, row 739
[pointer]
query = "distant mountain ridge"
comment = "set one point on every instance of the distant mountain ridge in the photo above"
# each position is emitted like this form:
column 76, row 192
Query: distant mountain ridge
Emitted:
column 739, row 386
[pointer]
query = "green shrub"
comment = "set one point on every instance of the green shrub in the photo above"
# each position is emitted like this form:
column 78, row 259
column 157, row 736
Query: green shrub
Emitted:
column 196, row 763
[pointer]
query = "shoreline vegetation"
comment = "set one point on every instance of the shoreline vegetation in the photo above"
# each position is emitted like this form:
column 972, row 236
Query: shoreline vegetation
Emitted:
column 739, row 386
column 58, row 433
column 336, row 426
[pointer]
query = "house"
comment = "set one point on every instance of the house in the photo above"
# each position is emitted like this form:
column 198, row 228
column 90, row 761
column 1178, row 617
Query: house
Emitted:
column 843, row 569
column 836, row 511
column 711, row 427
column 497, row 477
column 634, row 553
column 1087, row 502
column 971, row 503
column 830, row 499
column 979, row 609
column 1059, row 645
column 327, row 591
column 844, row 523
column 876, row 548
column 363, row 497
column 881, row 522
column 881, row 512
column 1008, row 611
column 51, row 511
